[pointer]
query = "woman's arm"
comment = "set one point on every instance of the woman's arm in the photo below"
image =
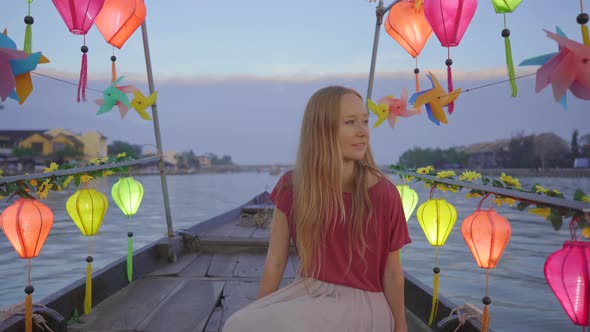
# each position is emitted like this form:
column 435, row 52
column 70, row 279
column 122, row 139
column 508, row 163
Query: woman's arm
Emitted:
column 277, row 256
column 393, row 288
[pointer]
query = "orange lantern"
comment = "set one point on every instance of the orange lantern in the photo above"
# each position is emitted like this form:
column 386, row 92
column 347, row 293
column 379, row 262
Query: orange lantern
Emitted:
column 117, row 21
column 26, row 224
column 486, row 233
column 408, row 26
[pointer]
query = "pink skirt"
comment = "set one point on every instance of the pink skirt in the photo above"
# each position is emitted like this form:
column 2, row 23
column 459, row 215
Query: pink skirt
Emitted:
column 327, row 307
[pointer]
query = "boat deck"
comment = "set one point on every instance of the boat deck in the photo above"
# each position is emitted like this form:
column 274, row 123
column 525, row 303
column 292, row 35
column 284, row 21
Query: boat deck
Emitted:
column 201, row 289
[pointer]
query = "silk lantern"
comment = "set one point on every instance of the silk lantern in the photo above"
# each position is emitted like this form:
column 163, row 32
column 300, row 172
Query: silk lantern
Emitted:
column 449, row 19
column 408, row 26
column 79, row 16
column 486, row 233
column 127, row 194
column 567, row 272
column 437, row 218
column 117, row 21
column 26, row 224
column 503, row 7
column 409, row 199
column 87, row 208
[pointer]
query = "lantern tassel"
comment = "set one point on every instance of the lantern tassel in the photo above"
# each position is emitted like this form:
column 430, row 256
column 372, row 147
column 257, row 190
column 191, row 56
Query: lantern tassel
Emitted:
column 585, row 35
column 416, row 74
column 27, row 48
column 130, row 258
column 88, row 295
column 113, row 71
column 485, row 322
column 434, row 308
column 510, row 66
column 450, row 84
column 29, row 313
column 29, row 300
column 83, row 78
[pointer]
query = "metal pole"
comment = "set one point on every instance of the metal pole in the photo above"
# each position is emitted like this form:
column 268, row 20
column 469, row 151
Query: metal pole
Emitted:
column 148, row 64
column 380, row 13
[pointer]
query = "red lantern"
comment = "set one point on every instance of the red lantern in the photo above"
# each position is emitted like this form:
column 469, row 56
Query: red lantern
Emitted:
column 26, row 224
column 449, row 19
column 117, row 21
column 79, row 16
column 486, row 233
column 408, row 26
column 567, row 273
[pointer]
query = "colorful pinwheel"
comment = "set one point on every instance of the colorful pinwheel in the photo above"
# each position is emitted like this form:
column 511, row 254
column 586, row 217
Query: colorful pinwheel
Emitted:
column 389, row 108
column 435, row 99
column 565, row 69
column 21, row 69
column 141, row 102
column 113, row 95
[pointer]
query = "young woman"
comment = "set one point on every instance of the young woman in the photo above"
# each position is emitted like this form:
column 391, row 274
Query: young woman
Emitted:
column 347, row 223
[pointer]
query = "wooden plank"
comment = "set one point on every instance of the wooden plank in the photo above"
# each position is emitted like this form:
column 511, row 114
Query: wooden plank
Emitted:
column 229, row 230
column 198, row 267
column 250, row 264
column 222, row 265
column 126, row 309
column 174, row 269
column 187, row 308
column 214, row 323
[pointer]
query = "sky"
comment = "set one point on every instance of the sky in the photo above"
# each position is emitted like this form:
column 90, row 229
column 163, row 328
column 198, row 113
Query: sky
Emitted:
column 233, row 78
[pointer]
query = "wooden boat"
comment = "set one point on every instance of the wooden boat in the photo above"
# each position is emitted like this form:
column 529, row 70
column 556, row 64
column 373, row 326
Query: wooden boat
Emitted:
column 196, row 280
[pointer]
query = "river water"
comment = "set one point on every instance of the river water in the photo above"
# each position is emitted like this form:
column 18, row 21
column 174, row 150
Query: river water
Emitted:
column 521, row 298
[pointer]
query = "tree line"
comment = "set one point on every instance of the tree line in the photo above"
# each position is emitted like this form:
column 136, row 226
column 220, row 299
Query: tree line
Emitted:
column 521, row 151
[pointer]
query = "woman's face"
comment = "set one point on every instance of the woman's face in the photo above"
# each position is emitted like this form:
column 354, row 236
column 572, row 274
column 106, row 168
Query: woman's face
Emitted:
column 353, row 130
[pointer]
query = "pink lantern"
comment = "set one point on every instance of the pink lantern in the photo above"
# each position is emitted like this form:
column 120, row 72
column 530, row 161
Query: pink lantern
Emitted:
column 567, row 273
column 449, row 19
column 79, row 16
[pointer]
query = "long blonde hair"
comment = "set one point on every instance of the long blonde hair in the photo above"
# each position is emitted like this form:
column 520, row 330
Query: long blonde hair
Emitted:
column 317, row 182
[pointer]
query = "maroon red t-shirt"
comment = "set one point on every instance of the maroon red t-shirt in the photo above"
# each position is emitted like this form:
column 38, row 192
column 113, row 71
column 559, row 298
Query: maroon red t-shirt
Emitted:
column 388, row 233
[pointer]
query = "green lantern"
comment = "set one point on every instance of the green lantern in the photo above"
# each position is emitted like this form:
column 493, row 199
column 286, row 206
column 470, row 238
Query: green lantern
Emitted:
column 409, row 199
column 127, row 194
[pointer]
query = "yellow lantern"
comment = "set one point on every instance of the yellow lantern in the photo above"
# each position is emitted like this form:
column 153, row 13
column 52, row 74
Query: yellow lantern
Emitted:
column 437, row 218
column 127, row 194
column 87, row 208
column 409, row 199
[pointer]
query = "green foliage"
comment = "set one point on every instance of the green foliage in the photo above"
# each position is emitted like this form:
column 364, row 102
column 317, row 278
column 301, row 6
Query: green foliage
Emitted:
column 40, row 186
column 437, row 157
column 68, row 152
column 132, row 150
column 552, row 213
column 224, row 160
column 24, row 152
